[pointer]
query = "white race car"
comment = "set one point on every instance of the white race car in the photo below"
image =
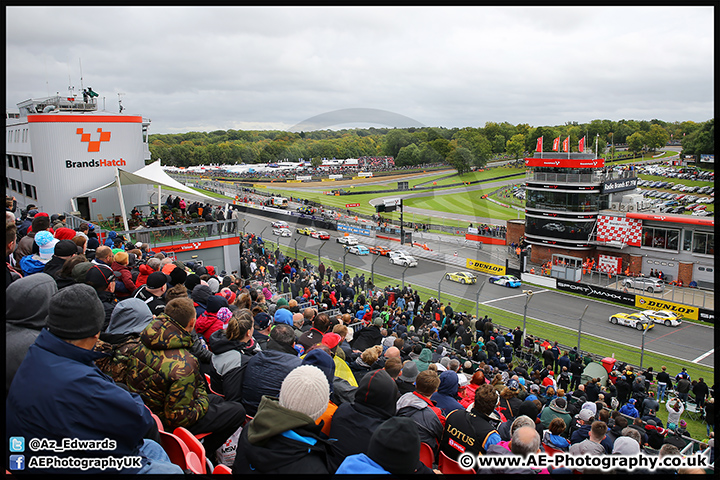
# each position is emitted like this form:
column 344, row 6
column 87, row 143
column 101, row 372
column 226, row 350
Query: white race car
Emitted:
column 666, row 317
column 282, row 232
column 280, row 224
column 348, row 240
column 402, row 259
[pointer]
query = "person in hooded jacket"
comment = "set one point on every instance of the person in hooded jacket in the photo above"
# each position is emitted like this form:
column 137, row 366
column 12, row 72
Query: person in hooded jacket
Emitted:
column 354, row 423
column 209, row 323
column 122, row 337
column 424, row 360
column 418, row 406
column 446, row 396
column 125, row 285
column 283, row 437
column 24, row 319
column 200, row 294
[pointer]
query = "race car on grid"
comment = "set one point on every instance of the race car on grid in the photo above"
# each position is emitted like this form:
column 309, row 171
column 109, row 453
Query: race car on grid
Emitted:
column 282, row 232
column 461, row 277
column 320, row 235
column 347, row 240
column 633, row 320
column 305, row 230
column 357, row 249
column 510, row 281
column 666, row 317
column 378, row 250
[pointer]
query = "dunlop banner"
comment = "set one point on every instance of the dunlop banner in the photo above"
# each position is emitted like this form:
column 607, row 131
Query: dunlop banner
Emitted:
column 485, row 267
column 650, row 303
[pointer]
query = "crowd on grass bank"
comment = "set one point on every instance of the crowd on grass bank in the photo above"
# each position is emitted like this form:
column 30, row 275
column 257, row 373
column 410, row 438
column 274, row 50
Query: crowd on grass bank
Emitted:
column 342, row 377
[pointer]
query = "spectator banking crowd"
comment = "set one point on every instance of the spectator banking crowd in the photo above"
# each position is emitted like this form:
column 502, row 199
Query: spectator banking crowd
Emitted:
column 337, row 375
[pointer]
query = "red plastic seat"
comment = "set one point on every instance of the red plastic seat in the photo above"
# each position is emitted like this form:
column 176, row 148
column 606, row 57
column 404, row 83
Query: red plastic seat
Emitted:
column 160, row 426
column 224, row 469
column 448, row 466
column 175, row 449
column 193, row 444
column 426, row 455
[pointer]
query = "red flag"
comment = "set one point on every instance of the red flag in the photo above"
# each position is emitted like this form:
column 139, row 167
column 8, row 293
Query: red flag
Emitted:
column 556, row 144
column 539, row 147
column 566, row 144
column 581, row 145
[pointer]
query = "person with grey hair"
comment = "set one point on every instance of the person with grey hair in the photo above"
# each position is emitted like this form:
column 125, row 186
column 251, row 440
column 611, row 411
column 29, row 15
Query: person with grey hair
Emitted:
column 632, row 433
column 525, row 441
column 152, row 265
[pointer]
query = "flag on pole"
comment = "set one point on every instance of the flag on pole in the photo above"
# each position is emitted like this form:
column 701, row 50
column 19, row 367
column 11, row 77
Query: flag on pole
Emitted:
column 566, row 145
column 581, row 145
column 556, row 144
column 539, row 147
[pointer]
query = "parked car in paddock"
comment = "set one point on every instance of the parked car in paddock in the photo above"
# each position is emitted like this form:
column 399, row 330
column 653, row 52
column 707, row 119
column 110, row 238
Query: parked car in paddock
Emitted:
column 652, row 285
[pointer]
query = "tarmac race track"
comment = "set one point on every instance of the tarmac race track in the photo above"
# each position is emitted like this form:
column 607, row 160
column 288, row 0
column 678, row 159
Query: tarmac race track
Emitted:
column 688, row 342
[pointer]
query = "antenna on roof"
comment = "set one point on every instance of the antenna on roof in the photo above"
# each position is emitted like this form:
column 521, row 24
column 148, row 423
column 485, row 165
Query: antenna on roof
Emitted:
column 120, row 102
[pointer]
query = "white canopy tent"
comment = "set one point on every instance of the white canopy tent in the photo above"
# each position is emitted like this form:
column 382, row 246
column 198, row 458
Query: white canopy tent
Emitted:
column 151, row 174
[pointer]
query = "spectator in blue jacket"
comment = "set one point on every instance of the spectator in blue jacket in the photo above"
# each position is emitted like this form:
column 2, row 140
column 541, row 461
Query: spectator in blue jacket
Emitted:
column 446, row 396
column 78, row 400
column 629, row 409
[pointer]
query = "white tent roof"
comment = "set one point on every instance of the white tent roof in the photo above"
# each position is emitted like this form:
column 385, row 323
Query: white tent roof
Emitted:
column 151, row 174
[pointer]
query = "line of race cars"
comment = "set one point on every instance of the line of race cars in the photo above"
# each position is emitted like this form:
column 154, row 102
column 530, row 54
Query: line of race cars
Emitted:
column 644, row 320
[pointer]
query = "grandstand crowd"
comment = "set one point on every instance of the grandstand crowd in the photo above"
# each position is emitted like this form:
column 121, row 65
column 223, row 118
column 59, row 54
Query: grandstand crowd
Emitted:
column 290, row 367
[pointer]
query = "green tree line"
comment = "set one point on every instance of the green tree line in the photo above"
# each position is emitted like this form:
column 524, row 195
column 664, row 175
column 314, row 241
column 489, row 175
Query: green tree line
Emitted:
column 461, row 148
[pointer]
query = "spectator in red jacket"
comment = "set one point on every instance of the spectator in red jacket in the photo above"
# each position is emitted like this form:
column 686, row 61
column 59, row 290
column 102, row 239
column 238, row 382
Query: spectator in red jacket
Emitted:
column 152, row 265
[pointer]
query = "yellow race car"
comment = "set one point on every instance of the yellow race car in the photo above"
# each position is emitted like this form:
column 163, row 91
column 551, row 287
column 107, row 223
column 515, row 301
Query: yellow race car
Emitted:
column 634, row 320
column 306, row 230
column 461, row 277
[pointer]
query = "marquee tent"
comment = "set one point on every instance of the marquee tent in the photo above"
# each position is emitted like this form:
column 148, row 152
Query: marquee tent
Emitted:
column 151, row 174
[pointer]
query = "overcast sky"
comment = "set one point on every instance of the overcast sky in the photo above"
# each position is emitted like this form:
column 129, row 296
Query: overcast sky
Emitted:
column 217, row 68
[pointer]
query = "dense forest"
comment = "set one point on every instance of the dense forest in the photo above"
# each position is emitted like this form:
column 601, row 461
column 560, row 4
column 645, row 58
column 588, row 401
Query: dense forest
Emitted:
column 461, row 148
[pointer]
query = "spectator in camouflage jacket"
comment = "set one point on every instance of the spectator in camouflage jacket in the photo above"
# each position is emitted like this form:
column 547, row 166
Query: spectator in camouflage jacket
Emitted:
column 122, row 337
column 164, row 372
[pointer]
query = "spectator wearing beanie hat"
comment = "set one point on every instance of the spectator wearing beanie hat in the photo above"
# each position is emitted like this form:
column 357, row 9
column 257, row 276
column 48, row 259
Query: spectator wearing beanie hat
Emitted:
column 208, row 323
column 283, row 437
column 65, row 233
column 283, row 315
column 261, row 333
column 34, row 263
column 26, row 245
column 394, row 448
column 125, row 286
column 63, row 250
column 152, row 292
column 354, row 423
column 61, row 365
column 321, row 358
column 102, row 279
